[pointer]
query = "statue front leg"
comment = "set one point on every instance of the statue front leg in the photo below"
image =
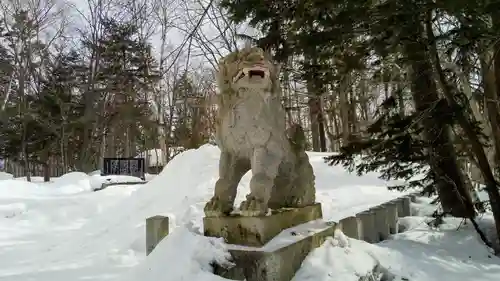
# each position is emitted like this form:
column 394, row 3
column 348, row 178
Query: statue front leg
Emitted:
column 265, row 165
column 231, row 170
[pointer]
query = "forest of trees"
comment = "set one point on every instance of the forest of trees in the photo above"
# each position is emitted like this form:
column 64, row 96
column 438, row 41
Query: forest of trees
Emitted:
column 79, row 83
column 399, row 86
column 409, row 86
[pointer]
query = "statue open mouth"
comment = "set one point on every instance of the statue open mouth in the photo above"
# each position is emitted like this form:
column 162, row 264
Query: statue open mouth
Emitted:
column 251, row 72
column 257, row 72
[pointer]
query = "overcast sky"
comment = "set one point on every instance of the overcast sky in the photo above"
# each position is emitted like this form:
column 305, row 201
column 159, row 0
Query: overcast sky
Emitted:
column 182, row 11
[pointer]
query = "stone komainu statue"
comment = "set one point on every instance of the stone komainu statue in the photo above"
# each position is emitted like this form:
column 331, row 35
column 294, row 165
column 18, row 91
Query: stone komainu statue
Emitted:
column 251, row 133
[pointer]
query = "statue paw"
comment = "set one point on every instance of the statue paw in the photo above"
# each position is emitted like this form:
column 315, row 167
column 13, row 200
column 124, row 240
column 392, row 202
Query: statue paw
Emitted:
column 252, row 207
column 294, row 202
column 217, row 208
column 299, row 201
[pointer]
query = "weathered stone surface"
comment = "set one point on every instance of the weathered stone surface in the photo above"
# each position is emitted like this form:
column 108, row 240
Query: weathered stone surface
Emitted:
column 156, row 230
column 403, row 205
column 367, row 224
column 392, row 217
column 350, row 227
column 413, row 198
column 277, row 261
column 381, row 225
column 399, row 206
column 251, row 133
column 406, row 206
column 257, row 231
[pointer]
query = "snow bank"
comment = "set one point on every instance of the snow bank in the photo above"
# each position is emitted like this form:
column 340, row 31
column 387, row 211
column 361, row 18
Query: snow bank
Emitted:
column 72, row 182
column 20, row 189
column 336, row 260
column 80, row 182
column 183, row 255
column 154, row 157
column 12, row 210
column 452, row 251
column 6, row 176
column 100, row 235
column 115, row 239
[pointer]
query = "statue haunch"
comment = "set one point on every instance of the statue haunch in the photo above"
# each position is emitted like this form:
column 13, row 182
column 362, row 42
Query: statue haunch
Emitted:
column 251, row 133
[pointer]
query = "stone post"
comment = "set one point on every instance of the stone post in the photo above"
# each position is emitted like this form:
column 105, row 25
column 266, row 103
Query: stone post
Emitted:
column 399, row 206
column 381, row 225
column 156, row 230
column 406, row 206
column 413, row 197
column 350, row 227
column 367, row 223
column 392, row 216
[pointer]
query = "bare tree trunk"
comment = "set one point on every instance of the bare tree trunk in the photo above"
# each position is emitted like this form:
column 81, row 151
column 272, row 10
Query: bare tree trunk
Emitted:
column 454, row 196
column 477, row 148
column 314, row 107
column 353, row 118
column 491, row 104
column 344, row 108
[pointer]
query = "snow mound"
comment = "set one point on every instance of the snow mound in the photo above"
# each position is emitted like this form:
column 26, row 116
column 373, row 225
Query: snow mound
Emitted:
column 96, row 181
column 422, row 253
column 19, row 189
column 336, row 260
column 100, row 235
column 115, row 239
column 72, row 182
column 12, row 210
column 6, row 176
column 167, row 263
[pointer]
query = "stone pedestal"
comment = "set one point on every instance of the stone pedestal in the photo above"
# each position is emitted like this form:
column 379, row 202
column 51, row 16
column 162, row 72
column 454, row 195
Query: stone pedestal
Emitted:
column 257, row 231
column 281, row 257
column 269, row 248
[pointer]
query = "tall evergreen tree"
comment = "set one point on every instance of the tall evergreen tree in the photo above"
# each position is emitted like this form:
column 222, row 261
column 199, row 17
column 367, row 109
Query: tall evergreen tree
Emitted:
column 381, row 30
column 127, row 72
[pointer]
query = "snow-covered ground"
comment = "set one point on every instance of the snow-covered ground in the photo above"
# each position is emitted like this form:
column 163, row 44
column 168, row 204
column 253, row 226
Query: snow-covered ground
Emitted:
column 61, row 230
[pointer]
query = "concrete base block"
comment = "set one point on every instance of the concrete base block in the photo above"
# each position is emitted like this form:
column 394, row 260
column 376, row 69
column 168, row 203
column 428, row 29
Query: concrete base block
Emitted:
column 257, row 231
column 368, row 228
column 399, row 206
column 156, row 230
column 381, row 225
column 403, row 205
column 413, row 198
column 350, row 227
column 406, row 206
column 392, row 216
column 279, row 259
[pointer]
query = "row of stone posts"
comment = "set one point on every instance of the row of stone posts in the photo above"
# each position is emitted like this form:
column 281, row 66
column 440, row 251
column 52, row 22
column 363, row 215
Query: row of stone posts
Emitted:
column 373, row 225
column 377, row 223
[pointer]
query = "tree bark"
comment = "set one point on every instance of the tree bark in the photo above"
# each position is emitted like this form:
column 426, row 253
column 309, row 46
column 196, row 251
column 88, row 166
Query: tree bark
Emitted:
column 344, row 109
column 314, row 108
column 455, row 198
column 467, row 127
column 490, row 104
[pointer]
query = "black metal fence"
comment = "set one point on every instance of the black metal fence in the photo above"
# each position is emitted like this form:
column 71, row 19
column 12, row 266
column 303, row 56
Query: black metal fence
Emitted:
column 124, row 166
